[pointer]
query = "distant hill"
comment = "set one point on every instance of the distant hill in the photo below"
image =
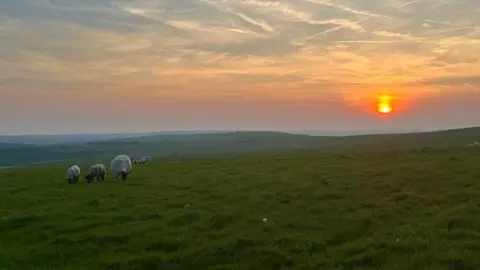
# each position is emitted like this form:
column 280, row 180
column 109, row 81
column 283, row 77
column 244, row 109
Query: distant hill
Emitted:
column 80, row 138
column 184, row 145
column 341, row 133
column 11, row 145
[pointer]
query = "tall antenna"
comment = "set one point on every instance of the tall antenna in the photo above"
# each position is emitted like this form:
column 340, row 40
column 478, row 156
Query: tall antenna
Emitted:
column 237, row 126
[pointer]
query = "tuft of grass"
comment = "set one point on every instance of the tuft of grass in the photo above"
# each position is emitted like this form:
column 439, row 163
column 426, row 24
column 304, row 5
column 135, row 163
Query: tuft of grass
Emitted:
column 403, row 209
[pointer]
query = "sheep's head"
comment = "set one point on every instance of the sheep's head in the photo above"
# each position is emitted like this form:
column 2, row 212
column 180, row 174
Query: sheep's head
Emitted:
column 88, row 177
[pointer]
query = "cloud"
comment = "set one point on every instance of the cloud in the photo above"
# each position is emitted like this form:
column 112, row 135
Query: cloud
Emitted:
column 191, row 45
column 347, row 9
column 342, row 23
column 470, row 81
column 399, row 35
column 352, row 25
column 260, row 23
column 408, row 3
column 284, row 11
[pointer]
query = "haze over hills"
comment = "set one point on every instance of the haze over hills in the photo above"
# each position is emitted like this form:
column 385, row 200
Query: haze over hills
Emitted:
column 80, row 138
column 354, row 132
column 83, row 148
column 42, row 139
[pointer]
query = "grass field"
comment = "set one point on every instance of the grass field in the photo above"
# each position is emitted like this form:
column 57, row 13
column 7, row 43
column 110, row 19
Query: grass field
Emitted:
column 403, row 209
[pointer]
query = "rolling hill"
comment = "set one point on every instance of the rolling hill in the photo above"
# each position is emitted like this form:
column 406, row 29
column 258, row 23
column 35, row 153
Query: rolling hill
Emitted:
column 185, row 145
column 79, row 138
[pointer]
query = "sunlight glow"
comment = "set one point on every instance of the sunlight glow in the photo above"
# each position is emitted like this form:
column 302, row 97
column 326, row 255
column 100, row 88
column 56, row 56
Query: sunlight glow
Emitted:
column 384, row 105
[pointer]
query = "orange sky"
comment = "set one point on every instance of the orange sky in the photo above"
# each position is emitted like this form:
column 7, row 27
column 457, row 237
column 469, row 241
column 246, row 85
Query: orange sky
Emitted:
column 92, row 66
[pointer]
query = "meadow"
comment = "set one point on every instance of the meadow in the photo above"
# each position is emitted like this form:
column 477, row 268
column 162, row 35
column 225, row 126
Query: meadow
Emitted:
column 389, row 209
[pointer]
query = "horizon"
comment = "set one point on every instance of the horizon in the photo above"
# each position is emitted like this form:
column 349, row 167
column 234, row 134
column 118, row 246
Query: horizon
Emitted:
column 348, row 132
column 115, row 67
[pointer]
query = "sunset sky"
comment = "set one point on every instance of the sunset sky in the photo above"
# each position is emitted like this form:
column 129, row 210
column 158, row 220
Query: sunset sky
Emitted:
column 71, row 66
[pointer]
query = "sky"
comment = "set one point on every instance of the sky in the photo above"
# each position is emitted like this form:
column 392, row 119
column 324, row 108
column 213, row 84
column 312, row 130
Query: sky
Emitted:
column 89, row 66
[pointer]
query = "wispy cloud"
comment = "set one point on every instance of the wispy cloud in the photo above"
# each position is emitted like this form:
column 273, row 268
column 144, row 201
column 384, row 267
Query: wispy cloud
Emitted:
column 340, row 26
column 408, row 3
column 265, row 49
column 260, row 23
column 341, row 23
column 399, row 35
column 284, row 11
column 346, row 9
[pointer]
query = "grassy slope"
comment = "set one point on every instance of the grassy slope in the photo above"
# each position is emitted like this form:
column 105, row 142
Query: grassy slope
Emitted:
column 403, row 209
column 164, row 145
column 201, row 144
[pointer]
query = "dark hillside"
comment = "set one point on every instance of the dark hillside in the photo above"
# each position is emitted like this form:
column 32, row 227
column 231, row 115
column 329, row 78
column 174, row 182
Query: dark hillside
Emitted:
column 185, row 145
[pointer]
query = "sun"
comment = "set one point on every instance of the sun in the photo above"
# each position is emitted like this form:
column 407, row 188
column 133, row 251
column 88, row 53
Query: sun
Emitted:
column 384, row 105
column 384, row 108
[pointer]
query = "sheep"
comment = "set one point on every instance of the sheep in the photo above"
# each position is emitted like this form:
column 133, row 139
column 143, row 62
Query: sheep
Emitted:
column 121, row 165
column 144, row 159
column 474, row 144
column 96, row 171
column 73, row 174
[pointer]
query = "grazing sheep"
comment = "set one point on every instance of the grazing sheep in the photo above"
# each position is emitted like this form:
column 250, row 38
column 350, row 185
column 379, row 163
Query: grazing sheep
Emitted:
column 121, row 165
column 134, row 161
column 144, row 159
column 96, row 171
column 73, row 174
column 474, row 144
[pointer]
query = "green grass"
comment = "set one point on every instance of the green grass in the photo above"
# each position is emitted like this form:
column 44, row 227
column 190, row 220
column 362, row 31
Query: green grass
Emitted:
column 404, row 209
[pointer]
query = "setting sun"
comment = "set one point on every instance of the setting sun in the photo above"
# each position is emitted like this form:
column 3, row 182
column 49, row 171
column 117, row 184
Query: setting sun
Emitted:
column 384, row 108
column 384, row 105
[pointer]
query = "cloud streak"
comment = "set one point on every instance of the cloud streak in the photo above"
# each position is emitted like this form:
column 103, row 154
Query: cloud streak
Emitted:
column 260, row 23
column 409, row 3
column 249, row 49
column 340, row 26
column 346, row 9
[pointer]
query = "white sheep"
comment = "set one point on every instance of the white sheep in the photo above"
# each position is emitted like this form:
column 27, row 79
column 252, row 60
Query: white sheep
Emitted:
column 73, row 174
column 121, row 165
column 96, row 171
column 144, row 159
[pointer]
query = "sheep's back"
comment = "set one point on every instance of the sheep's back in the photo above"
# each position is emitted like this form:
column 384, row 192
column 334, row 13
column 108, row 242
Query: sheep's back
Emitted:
column 97, row 169
column 121, row 163
column 73, row 171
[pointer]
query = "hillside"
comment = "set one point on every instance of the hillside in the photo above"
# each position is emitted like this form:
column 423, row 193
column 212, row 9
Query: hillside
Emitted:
column 159, row 145
column 83, row 138
column 432, row 139
column 186, row 145
column 400, row 209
